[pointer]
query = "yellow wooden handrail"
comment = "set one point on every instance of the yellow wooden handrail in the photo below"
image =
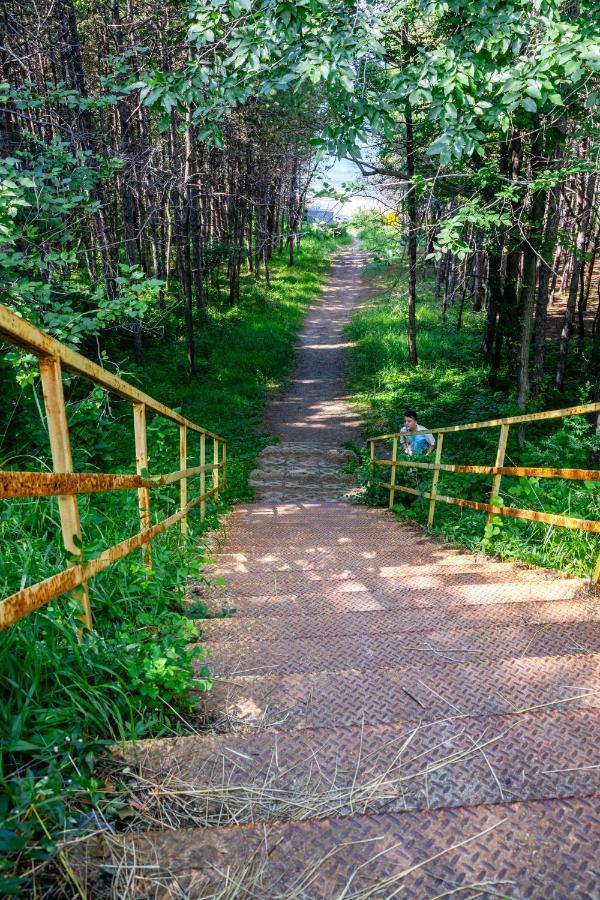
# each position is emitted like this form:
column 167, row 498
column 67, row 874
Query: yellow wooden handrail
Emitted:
column 498, row 470
column 66, row 484
column 581, row 410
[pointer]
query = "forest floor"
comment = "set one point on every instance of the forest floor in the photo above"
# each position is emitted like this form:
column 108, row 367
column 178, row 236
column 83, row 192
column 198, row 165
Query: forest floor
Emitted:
column 389, row 713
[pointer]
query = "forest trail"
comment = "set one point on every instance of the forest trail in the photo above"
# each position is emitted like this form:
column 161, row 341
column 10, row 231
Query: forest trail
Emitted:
column 312, row 416
column 389, row 714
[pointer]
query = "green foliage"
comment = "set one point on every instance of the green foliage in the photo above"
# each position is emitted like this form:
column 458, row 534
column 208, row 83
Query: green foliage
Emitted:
column 472, row 71
column 449, row 386
column 241, row 50
column 140, row 672
column 45, row 190
column 484, row 67
column 327, row 231
column 65, row 702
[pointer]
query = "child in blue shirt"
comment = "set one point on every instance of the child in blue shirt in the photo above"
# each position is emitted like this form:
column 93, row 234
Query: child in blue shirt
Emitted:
column 414, row 438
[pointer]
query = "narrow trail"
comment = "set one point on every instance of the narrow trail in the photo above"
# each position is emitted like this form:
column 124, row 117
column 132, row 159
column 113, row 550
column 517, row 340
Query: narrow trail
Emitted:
column 391, row 716
column 313, row 417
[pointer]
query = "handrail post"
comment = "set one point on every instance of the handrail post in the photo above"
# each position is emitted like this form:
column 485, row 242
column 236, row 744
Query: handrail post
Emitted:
column 141, row 464
column 62, row 461
column 434, row 481
column 500, row 452
column 215, row 483
column 372, row 463
column 224, row 459
column 202, row 476
column 183, row 481
column 596, row 574
column 393, row 475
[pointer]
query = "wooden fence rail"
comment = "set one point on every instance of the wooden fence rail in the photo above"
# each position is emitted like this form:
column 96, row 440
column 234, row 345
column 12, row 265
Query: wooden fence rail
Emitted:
column 498, row 470
column 64, row 483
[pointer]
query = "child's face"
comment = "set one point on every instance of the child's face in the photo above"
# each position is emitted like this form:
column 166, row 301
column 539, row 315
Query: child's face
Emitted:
column 410, row 422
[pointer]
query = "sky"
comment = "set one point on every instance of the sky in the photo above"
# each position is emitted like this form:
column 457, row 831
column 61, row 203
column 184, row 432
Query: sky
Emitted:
column 336, row 172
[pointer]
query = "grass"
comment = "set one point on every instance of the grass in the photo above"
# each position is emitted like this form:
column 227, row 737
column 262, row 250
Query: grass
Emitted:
column 141, row 670
column 449, row 386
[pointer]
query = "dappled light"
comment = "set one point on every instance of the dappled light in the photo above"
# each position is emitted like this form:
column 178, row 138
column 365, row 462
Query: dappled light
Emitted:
column 299, row 445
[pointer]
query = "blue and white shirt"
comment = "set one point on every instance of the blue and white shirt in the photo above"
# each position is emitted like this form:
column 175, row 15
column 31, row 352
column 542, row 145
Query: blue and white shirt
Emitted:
column 415, row 442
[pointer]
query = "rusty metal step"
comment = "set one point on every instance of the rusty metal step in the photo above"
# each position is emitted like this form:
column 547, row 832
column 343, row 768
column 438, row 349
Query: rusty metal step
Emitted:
column 213, row 780
column 320, row 568
column 329, row 652
column 419, row 693
column 355, row 596
column 373, row 621
column 541, row 850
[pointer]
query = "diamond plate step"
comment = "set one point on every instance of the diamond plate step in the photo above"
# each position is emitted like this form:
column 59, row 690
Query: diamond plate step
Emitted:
column 415, row 647
column 295, row 450
column 423, row 590
column 276, row 595
column 298, row 472
column 421, row 693
column 375, row 621
column 542, row 850
column 225, row 779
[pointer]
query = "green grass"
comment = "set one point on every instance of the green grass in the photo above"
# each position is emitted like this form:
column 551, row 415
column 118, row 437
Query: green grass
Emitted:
column 449, row 386
column 139, row 672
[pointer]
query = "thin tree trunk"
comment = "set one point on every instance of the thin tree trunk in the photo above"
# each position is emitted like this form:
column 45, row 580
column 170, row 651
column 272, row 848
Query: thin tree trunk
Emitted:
column 586, row 195
column 543, row 290
column 411, row 208
column 531, row 252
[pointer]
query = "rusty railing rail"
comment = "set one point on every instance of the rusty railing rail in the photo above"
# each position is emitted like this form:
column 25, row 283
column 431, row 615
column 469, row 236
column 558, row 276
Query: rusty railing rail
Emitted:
column 64, row 483
column 498, row 470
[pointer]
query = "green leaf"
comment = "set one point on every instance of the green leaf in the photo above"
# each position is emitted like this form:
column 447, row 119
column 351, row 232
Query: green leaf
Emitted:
column 529, row 104
column 439, row 146
column 21, row 747
column 533, row 89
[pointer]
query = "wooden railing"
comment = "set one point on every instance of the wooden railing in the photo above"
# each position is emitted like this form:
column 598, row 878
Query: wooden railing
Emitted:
column 498, row 470
column 66, row 484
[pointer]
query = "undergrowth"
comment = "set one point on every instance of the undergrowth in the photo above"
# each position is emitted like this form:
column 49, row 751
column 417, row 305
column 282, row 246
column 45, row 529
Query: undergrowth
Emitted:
column 142, row 669
column 449, row 387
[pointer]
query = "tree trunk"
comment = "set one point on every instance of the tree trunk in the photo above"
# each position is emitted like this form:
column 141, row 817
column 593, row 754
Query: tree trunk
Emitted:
column 411, row 208
column 584, row 210
column 543, row 290
column 531, row 252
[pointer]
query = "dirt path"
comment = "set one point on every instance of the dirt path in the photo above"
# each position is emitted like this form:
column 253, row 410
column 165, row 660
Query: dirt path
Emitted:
column 390, row 715
column 313, row 416
column 314, row 409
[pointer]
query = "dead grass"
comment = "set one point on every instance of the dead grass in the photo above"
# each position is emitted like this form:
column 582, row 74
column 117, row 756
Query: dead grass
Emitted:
column 263, row 875
column 233, row 789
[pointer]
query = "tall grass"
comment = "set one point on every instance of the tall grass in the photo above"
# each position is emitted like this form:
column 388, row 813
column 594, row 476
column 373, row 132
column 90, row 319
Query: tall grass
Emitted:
column 449, row 386
column 142, row 669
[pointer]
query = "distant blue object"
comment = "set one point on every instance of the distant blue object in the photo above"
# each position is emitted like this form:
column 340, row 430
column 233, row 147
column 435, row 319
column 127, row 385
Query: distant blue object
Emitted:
column 313, row 214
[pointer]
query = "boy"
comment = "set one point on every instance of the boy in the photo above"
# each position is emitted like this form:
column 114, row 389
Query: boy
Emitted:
column 414, row 442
